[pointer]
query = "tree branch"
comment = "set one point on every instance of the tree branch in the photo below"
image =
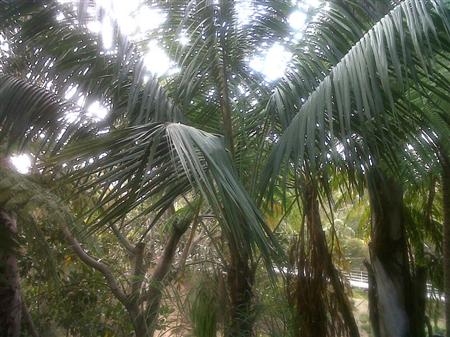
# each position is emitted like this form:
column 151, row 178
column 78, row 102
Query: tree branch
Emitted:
column 139, row 270
column 122, row 239
column 97, row 265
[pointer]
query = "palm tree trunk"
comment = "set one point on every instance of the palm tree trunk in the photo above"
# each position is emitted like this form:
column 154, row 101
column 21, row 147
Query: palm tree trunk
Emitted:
column 391, row 283
column 445, row 163
column 240, row 272
column 418, row 318
column 10, row 300
column 323, row 258
column 240, row 285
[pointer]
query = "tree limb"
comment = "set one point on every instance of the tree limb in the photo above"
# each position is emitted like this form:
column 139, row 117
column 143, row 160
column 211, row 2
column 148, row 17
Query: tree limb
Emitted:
column 122, row 239
column 139, row 270
column 97, row 265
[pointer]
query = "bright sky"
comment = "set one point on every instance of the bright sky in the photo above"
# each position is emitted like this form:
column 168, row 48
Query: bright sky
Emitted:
column 135, row 18
column 272, row 63
column 21, row 162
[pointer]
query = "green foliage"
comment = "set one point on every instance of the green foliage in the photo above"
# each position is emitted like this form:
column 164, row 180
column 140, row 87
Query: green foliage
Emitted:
column 366, row 90
column 204, row 308
column 357, row 94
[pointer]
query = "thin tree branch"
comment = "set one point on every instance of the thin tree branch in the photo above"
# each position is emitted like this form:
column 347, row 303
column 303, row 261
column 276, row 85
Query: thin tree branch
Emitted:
column 122, row 239
column 187, row 248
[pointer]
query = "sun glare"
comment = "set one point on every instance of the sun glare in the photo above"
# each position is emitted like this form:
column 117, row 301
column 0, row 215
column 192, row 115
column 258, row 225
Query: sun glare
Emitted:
column 273, row 63
column 244, row 9
column 297, row 20
column 156, row 60
column 97, row 111
column 135, row 18
column 183, row 38
column 21, row 163
column 309, row 4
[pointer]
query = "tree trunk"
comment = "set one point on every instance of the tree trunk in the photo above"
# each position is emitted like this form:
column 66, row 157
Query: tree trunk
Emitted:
column 10, row 300
column 138, row 320
column 240, row 284
column 418, row 321
column 322, row 258
column 389, row 260
column 446, row 200
column 372, row 296
column 156, row 284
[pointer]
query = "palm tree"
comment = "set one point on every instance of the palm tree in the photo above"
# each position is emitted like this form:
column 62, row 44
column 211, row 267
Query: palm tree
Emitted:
column 348, row 101
column 355, row 77
column 171, row 157
column 329, row 311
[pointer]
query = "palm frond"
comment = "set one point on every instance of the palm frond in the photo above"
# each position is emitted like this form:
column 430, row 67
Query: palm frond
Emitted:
column 28, row 111
column 119, row 78
column 154, row 164
column 357, row 101
column 220, row 185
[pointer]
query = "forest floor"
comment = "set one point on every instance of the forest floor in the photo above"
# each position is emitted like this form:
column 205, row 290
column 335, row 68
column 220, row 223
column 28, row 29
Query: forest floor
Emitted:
column 361, row 311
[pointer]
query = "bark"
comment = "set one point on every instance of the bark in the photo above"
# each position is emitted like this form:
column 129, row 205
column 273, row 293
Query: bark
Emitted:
column 144, row 320
column 445, row 163
column 130, row 303
column 97, row 265
column 156, row 284
column 321, row 258
column 224, row 96
column 393, row 311
column 418, row 321
column 188, row 247
column 133, row 304
column 240, row 289
column 343, row 302
column 226, row 109
column 123, row 240
column 10, row 299
column 372, row 296
column 240, row 276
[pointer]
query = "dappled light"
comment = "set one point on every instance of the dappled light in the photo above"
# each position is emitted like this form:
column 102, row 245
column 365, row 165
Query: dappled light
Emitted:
column 21, row 162
column 205, row 168
column 97, row 111
column 157, row 61
column 272, row 63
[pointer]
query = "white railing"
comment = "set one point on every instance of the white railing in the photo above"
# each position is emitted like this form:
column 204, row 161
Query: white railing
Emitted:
column 359, row 279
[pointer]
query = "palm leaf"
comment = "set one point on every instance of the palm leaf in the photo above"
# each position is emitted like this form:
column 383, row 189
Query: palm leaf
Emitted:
column 28, row 111
column 158, row 163
column 118, row 79
column 357, row 101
